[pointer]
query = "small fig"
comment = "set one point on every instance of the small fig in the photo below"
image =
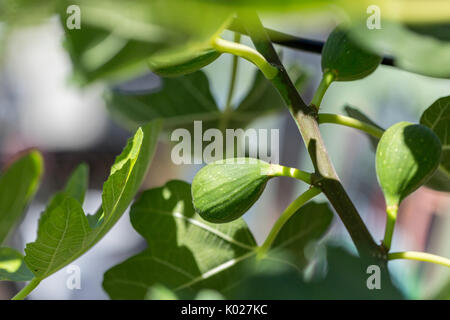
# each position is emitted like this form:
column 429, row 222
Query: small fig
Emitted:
column 224, row 190
column 407, row 156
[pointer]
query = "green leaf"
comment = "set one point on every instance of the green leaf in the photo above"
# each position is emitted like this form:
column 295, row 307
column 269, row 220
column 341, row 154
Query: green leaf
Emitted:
column 78, row 182
column 186, row 254
column 411, row 51
column 96, row 55
column 18, row 185
column 346, row 277
column 12, row 266
column 307, row 225
column 163, row 33
column 407, row 155
column 193, row 101
column 160, row 292
column 190, row 62
column 262, row 97
column 345, row 59
column 65, row 232
column 178, row 102
column 224, row 190
column 437, row 118
column 357, row 114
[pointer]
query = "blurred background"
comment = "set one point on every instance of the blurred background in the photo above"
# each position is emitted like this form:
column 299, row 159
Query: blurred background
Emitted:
column 40, row 108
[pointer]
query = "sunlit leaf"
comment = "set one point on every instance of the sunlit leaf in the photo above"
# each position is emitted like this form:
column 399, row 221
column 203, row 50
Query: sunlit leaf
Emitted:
column 65, row 232
column 187, row 254
column 184, row 252
column 12, row 266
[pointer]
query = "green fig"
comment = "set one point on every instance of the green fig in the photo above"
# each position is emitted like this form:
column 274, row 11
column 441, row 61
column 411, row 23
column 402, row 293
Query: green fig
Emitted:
column 180, row 65
column 407, row 156
column 345, row 60
column 224, row 190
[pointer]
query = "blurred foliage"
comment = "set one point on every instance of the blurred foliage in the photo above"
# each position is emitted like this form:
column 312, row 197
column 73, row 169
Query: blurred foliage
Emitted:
column 182, row 100
column 412, row 51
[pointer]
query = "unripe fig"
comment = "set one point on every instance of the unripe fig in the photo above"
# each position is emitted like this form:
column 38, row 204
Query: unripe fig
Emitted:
column 407, row 155
column 345, row 60
column 169, row 66
column 224, row 190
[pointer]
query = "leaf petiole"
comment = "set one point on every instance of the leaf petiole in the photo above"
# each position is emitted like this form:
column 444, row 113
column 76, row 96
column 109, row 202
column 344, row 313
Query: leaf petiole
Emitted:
column 285, row 216
column 22, row 294
column 247, row 53
column 350, row 122
column 420, row 256
column 327, row 78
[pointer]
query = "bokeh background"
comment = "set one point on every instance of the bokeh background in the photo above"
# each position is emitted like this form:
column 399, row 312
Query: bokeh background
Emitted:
column 40, row 108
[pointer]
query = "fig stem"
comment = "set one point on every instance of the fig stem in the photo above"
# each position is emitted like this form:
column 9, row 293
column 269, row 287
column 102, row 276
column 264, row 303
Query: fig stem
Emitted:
column 350, row 122
column 22, row 294
column 420, row 256
column 327, row 78
column 282, row 171
column 305, row 117
column 284, row 217
column 391, row 218
column 247, row 53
